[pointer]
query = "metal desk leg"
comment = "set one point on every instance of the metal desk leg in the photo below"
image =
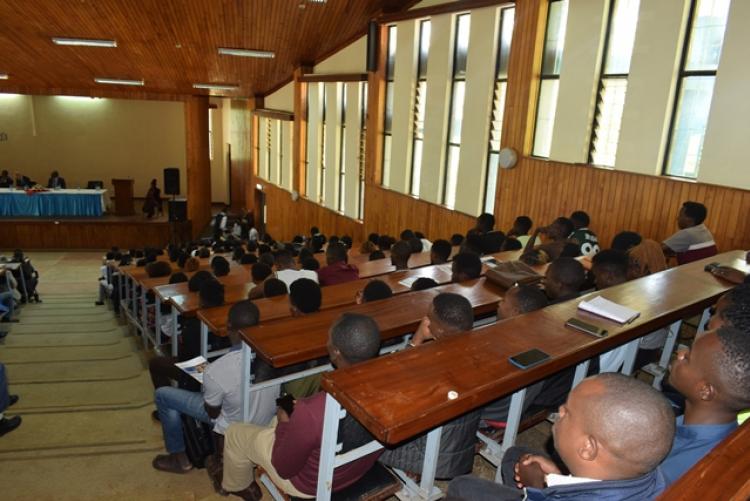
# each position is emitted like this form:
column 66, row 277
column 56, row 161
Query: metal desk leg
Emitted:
column 581, row 370
column 247, row 359
column 175, row 331
column 144, row 318
column 511, row 427
column 666, row 354
column 204, row 340
column 631, row 351
column 157, row 321
column 328, row 449
column 705, row 317
column 429, row 467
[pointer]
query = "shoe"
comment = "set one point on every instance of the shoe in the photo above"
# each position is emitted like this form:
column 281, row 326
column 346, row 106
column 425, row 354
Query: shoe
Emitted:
column 251, row 493
column 10, row 320
column 9, row 424
column 155, row 416
column 169, row 463
column 99, row 303
column 12, row 399
column 3, row 334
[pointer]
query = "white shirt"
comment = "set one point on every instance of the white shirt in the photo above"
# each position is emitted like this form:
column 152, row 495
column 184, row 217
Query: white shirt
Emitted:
column 222, row 385
column 289, row 276
column 252, row 234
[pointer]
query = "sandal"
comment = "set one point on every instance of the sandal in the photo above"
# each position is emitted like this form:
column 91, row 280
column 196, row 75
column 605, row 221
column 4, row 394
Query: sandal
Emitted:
column 169, row 463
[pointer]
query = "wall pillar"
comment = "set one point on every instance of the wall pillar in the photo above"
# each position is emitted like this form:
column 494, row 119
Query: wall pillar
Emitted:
column 197, row 162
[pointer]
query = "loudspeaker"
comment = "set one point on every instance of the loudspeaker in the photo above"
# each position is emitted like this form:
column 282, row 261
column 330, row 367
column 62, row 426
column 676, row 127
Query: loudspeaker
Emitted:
column 172, row 181
column 178, row 210
column 373, row 32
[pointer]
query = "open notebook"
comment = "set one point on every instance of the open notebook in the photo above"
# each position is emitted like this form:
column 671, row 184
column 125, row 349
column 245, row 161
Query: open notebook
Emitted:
column 607, row 309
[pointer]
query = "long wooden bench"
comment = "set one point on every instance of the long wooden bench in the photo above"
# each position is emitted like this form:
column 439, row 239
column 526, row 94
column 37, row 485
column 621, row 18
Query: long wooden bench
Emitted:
column 407, row 393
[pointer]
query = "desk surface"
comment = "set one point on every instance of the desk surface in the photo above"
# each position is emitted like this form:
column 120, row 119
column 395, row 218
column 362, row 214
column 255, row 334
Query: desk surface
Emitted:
column 403, row 394
column 289, row 341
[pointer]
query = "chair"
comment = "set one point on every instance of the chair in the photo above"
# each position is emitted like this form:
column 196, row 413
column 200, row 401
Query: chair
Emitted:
column 697, row 252
column 95, row 185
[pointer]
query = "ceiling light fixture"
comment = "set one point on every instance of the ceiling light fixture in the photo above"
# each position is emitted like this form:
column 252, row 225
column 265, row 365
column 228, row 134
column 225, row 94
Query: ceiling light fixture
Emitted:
column 317, row 1
column 215, row 86
column 227, row 51
column 84, row 42
column 3, row 76
column 118, row 81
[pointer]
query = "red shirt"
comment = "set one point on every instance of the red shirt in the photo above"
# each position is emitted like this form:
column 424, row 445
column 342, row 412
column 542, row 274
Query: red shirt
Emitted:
column 337, row 273
column 296, row 450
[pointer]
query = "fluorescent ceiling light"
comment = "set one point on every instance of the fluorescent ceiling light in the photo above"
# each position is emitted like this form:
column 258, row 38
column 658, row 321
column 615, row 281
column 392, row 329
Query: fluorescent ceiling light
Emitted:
column 84, row 42
column 3, row 76
column 117, row 81
column 226, row 51
column 215, row 86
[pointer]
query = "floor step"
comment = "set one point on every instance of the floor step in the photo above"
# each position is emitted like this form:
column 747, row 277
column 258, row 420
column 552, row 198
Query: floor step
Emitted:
column 22, row 328
column 50, row 373
column 109, row 338
column 43, row 354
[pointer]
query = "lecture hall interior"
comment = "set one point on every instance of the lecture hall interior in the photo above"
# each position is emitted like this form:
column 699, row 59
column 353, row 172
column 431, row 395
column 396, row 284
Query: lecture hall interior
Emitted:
column 374, row 250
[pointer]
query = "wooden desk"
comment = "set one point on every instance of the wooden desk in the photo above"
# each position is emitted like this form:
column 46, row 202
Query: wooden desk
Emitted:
column 475, row 365
column 724, row 473
column 289, row 341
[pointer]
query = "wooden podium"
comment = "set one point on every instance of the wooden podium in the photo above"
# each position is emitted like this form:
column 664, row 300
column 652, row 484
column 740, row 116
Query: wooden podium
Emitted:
column 123, row 197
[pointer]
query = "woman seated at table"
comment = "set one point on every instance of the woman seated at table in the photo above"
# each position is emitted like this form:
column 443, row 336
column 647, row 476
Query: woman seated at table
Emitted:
column 55, row 181
column 153, row 200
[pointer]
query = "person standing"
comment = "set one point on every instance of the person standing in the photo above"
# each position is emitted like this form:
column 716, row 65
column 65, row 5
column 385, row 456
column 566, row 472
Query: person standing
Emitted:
column 153, row 200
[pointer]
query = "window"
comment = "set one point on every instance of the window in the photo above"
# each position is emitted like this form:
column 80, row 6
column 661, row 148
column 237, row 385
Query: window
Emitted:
column 549, row 85
column 420, row 106
column 362, row 144
column 279, row 138
column 700, row 60
column 211, row 134
column 455, row 120
column 388, row 120
column 342, row 147
column 507, row 19
column 322, row 146
column 613, row 85
column 267, row 163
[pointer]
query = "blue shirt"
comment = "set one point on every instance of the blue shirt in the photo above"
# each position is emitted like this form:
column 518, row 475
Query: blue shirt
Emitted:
column 691, row 443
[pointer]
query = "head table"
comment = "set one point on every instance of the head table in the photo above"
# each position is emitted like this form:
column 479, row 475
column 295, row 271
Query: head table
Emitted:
column 52, row 203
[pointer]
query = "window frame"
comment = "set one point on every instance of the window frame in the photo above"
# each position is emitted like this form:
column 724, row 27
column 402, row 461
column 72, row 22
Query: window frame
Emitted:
column 392, row 31
column 419, row 80
column 342, row 148
column 682, row 76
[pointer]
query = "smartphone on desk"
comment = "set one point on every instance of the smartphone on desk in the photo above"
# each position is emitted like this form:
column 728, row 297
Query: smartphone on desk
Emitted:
column 710, row 267
column 586, row 328
column 528, row 359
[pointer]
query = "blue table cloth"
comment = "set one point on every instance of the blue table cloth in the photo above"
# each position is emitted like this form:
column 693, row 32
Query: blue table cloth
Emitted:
column 15, row 203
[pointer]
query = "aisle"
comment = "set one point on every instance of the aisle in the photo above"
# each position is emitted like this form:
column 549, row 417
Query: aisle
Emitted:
column 85, row 399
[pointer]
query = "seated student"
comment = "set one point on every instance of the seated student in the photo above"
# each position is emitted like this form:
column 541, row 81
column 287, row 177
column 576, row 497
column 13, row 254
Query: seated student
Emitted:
column 248, row 259
column 7, row 424
column 609, row 268
column 491, row 240
column 440, row 252
column 385, row 242
column 258, row 274
column 289, row 449
column 693, row 241
column 564, row 279
column 337, row 270
column 311, row 264
column 367, row 248
column 423, row 283
column 374, row 256
column 521, row 228
column 556, row 244
column 582, row 235
column 286, row 270
column 602, row 440
column 158, row 269
column 218, row 402
column 646, row 258
column 220, row 266
column 375, row 290
column 304, row 297
column 400, row 254
column 517, row 301
column 457, row 239
column 466, row 266
column 449, row 315
column 273, row 287
column 712, row 375
column 626, row 240
column 162, row 369
column 733, row 309
column 426, row 244
column 416, row 245
column 191, row 264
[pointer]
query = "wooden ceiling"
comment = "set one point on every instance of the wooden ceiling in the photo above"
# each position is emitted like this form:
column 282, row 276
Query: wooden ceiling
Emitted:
column 172, row 44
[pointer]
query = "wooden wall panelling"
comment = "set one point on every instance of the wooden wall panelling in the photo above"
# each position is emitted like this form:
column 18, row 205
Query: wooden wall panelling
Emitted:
column 241, row 127
column 299, row 144
column 198, row 163
column 376, row 114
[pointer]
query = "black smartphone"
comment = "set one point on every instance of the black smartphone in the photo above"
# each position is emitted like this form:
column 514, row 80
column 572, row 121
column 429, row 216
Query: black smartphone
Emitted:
column 711, row 267
column 528, row 358
column 287, row 403
column 585, row 327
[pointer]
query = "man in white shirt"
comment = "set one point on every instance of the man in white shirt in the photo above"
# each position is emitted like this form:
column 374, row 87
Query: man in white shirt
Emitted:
column 219, row 402
column 286, row 270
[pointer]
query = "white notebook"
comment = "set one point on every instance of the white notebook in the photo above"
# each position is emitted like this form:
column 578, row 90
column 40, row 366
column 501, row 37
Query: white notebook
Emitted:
column 607, row 309
column 409, row 281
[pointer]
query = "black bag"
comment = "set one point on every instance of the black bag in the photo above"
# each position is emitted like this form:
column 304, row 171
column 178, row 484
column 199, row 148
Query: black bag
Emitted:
column 199, row 442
